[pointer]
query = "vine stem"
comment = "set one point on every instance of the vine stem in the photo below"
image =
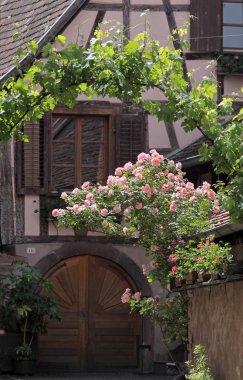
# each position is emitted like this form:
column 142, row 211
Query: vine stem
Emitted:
column 170, row 353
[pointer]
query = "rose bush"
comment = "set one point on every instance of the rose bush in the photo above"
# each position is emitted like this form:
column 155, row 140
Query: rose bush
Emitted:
column 151, row 204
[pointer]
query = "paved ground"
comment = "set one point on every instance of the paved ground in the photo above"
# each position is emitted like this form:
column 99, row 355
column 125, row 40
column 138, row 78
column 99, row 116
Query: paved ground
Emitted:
column 90, row 376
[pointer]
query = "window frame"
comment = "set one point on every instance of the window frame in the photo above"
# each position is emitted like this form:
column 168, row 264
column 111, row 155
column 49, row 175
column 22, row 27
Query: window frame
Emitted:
column 109, row 112
column 226, row 48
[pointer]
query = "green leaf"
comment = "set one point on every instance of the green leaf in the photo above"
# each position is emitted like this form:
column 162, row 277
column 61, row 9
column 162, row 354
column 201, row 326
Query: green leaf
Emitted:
column 132, row 47
column 33, row 46
column 61, row 39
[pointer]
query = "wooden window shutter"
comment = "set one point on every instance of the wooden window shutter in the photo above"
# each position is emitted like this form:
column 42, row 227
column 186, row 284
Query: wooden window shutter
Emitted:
column 131, row 137
column 31, row 159
column 206, row 26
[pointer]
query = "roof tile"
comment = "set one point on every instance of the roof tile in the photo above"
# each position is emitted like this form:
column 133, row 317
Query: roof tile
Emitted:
column 34, row 18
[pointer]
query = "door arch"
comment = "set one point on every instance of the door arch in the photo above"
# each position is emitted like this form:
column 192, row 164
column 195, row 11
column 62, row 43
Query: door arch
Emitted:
column 96, row 331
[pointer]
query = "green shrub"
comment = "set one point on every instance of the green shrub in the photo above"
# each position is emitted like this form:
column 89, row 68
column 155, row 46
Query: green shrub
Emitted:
column 199, row 370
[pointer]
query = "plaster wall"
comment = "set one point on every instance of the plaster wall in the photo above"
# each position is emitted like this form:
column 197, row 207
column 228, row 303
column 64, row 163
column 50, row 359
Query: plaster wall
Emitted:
column 233, row 83
column 158, row 137
column 32, row 215
column 216, row 323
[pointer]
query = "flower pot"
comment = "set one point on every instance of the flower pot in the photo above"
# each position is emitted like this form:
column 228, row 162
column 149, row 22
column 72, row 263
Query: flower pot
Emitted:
column 178, row 282
column 203, row 277
column 8, row 343
column 80, row 232
column 24, row 366
column 191, row 278
column 214, row 276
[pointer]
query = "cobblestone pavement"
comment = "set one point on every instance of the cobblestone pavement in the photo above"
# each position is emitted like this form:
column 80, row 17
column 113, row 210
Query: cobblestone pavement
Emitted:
column 90, row 376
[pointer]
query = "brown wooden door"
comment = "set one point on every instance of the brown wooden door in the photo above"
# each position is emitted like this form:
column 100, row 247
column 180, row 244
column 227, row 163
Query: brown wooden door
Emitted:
column 96, row 330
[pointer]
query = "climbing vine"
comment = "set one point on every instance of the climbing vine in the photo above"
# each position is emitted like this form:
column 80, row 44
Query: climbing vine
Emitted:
column 116, row 67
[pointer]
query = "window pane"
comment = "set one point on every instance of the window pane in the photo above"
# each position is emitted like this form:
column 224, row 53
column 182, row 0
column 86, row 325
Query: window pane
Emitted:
column 93, row 174
column 63, row 178
column 92, row 154
column 63, row 153
column 93, row 129
column 63, row 129
column 233, row 37
column 233, row 13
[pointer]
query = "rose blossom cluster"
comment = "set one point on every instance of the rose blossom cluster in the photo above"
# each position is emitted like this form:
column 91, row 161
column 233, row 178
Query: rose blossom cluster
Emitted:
column 127, row 296
column 149, row 201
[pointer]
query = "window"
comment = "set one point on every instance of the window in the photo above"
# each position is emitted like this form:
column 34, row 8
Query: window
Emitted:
column 78, row 151
column 85, row 143
column 233, row 24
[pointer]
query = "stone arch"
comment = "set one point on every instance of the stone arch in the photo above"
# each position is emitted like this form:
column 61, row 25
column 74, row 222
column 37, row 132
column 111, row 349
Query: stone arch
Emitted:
column 105, row 250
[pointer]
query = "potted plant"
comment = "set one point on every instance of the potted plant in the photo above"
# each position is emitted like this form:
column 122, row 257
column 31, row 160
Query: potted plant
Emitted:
column 27, row 299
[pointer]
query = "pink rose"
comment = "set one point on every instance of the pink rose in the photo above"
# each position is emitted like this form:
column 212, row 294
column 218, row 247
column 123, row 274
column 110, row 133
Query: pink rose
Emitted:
column 143, row 156
column 138, row 176
column 94, row 208
column 210, row 194
column 174, row 269
column 192, row 199
column 171, row 176
column 110, row 193
column 55, row 212
column 125, row 230
column 150, row 300
column 156, row 161
column 117, row 208
column 183, row 191
column 110, row 180
column 206, row 185
column 104, row 212
column 127, row 211
column 144, row 268
column 126, row 296
column 178, row 165
column 172, row 258
column 64, row 195
column 154, row 210
column 89, row 196
column 137, row 296
column 147, row 189
column 86, row 185
column 128, row 166
column 76, row 191
column 190, row 185
column 87, row 202
column 154, row 248
column 136, row 234
column 139, row 206
column 173, row 207
column 119, row 171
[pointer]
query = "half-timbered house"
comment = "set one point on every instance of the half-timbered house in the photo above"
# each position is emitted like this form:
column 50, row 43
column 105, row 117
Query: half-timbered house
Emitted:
column 69, row 146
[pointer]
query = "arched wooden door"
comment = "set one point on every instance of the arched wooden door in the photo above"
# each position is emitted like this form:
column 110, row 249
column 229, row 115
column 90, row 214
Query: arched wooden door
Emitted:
column 96, row 331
